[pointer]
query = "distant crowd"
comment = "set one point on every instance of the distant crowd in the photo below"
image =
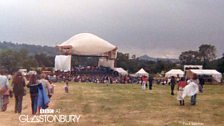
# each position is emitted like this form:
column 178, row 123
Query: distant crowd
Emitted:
column 92, row 74
column 185, row 86
column 41, row 86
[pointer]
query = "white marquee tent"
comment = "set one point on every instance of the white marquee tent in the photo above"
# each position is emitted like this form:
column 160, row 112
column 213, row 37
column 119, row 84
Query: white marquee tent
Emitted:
column 86, row 44
column 141, row 72
column 175, row 73
column 188, row 67
column 121, row 71
column 214, row 73
column 63, row 63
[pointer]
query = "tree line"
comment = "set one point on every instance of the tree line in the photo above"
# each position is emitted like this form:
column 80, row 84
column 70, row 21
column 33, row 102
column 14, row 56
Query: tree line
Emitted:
column 12, row 60
column 205, row 55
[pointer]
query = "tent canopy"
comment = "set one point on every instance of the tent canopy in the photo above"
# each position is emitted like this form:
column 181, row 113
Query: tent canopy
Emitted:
column 62, row 62
column 121, row 71
column 142, row 72
column 214, row 73
column 188, row 67
column 89, row 45
column 175, row 73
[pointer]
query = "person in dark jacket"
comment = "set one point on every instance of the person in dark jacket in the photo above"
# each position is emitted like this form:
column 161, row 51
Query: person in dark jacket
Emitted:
column 172, row 84
column 201, row 83
column 18, row 84
column 33, row 85
column 150, row 82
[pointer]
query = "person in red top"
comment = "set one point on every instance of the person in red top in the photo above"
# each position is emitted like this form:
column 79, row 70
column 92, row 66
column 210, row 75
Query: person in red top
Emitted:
column 180, row 87
column 144, row 81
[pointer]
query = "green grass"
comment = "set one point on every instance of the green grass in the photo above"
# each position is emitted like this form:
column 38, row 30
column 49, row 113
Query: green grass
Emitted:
column 128, row 105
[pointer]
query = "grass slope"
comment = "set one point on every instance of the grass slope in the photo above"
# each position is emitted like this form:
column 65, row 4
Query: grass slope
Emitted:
column 127, row 105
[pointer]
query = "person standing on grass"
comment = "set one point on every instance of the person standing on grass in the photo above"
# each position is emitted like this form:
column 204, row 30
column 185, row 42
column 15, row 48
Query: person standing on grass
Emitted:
column 51, row 90
column 66, row 87
column 18, row 84
column 46, row 84
column 4, row 92
column 150, row 82
column 201, row 83
column 178, row 78
column 191, row 89
column 196, row 83
column 172, row 84
column 144, row 81
column 180, row 87
column 33, row 85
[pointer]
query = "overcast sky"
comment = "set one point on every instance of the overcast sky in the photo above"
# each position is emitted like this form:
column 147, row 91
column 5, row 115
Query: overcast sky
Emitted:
column 159, row 28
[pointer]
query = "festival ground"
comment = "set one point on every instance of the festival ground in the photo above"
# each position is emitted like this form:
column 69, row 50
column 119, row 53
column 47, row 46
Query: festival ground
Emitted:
column 119, row 104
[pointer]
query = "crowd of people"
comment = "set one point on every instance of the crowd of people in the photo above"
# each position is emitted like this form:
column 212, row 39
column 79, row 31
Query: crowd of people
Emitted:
column 93, row 74
column 40, row 90
column 41, row 87
column 185, row 87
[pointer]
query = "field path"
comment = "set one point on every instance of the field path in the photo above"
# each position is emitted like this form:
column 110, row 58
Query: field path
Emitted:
column 9, row 118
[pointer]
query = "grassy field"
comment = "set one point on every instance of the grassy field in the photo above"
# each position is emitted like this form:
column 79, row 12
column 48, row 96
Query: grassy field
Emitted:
column 128, row 105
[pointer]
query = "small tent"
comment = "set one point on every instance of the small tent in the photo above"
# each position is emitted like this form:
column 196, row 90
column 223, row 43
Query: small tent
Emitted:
column 141, row 72
column 63, row 62
column 121, row 71
column 189, row 67
column 175, row 73
column 210, row 72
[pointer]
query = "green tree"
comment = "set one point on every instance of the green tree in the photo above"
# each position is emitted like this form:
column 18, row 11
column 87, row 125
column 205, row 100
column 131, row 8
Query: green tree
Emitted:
column 9, row 60
column 122, row 60
column 207, row 52
column 220, row 66
column 25, row 60
column 13, row 60
column 190, row 57
column 44, row 60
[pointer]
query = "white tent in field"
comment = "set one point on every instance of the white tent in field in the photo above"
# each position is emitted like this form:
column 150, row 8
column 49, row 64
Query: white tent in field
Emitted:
column 141, row 72
column 121, row 71
column 189, row 67
column 86, row 44
column 175, row 73
column 63, row 62
column 214, row 73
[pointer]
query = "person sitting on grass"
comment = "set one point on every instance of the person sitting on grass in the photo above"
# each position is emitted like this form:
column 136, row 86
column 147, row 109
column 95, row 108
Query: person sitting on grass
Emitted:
column 180, row 87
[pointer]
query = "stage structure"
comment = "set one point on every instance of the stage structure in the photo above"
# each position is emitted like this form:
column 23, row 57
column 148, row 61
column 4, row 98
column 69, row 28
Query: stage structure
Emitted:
column 89, row 45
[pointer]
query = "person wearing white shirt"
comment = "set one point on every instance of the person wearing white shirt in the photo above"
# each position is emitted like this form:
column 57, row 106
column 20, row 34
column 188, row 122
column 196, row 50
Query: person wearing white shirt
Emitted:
column 4, row 92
